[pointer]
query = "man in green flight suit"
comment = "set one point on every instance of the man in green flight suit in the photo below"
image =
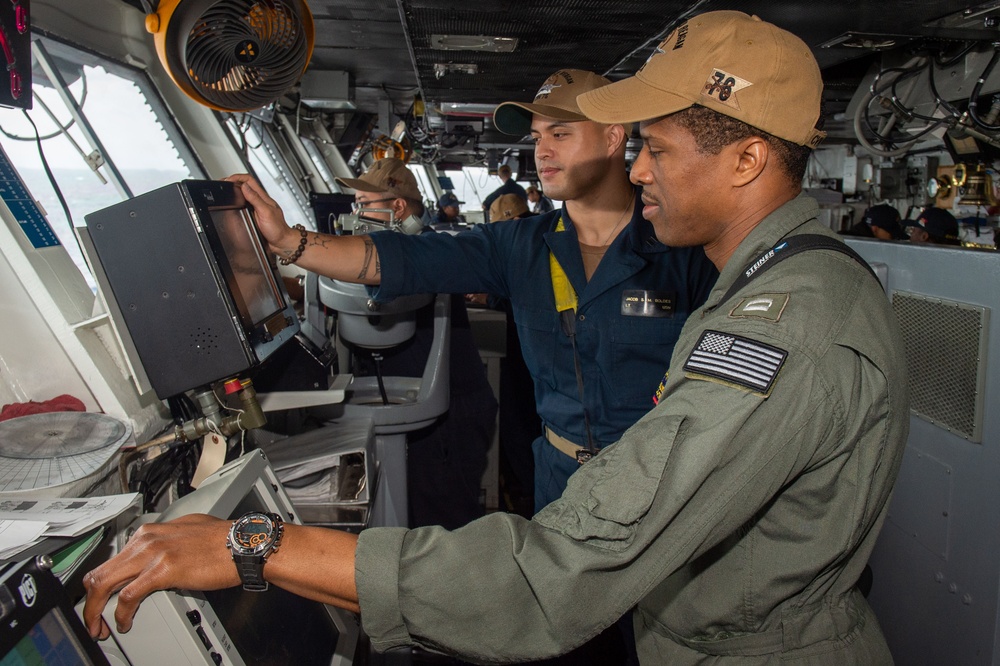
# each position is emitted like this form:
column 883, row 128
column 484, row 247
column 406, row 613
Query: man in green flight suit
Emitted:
column 738, row 514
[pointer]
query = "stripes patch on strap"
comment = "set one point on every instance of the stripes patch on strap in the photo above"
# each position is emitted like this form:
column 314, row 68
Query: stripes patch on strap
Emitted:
column 736, row 360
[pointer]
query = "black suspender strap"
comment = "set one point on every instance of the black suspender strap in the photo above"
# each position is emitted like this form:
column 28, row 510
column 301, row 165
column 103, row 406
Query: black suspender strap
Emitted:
column 566, row 302
column 789, row 248
column 567, row 318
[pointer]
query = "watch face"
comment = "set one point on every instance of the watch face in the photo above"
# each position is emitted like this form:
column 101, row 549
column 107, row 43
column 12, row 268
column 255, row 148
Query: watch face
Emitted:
column 253, row 533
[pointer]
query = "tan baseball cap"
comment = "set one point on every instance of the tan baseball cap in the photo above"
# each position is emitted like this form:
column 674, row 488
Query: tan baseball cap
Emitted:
column 386, row 175
column 555, row 99
column 507, row 207
column 730, row 62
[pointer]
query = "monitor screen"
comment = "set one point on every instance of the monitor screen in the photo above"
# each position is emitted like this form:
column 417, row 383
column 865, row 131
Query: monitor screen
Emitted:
column 245, row 614
column 50, row 641
column 38, row 624
column 249, row 277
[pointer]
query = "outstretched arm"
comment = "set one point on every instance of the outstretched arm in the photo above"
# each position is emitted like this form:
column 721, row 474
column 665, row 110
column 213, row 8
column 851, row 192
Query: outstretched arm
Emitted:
column 347, row 258
column 190, row 553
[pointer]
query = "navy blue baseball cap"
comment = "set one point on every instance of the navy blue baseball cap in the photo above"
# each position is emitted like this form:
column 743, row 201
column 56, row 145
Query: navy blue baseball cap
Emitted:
column 939, row 224
column 885, row 217
column 448, row 199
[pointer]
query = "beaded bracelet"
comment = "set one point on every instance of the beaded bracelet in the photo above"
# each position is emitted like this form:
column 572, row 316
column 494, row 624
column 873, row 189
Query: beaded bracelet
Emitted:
column 302, row 247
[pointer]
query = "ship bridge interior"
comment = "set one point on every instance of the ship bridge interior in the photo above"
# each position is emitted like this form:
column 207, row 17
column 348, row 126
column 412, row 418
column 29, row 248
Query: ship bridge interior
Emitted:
column 113, row 110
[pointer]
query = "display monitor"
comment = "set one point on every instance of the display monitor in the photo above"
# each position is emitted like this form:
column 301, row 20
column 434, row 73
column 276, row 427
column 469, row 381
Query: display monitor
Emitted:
column 245, row 266
column 39, row 624
column 233, row 626
column 194, row 294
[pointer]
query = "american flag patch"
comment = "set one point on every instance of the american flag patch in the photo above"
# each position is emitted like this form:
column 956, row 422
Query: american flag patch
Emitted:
column 736, row 360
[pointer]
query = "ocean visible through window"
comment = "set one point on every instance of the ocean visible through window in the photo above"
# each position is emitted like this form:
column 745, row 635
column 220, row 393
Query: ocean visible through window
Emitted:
column 131, row 135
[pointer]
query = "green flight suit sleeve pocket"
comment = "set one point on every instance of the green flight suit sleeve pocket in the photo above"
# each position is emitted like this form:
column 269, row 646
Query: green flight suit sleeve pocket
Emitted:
column 606, row 499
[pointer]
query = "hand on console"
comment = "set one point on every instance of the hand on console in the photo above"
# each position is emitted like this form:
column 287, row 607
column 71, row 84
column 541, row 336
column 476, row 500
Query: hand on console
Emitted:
column 187, row 553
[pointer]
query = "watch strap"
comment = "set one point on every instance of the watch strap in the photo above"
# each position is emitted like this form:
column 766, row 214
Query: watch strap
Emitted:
column 251, row 571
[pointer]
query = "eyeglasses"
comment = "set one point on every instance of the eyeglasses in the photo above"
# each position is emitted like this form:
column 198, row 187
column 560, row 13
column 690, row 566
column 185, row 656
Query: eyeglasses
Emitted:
column 358, row 206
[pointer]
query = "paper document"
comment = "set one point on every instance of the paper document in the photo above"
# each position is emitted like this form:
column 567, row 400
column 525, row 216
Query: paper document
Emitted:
column 16, row 535
column 25, row 522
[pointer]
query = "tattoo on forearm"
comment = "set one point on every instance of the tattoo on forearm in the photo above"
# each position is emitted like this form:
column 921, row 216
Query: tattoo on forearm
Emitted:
column 320, row 241
column 369, row 254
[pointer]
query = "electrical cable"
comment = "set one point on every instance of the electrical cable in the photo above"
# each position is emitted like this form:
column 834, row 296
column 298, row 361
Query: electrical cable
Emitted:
column 958, row 56
column 937, row 96
column 52, row 180
column 174, row 466
column 243, row 126
column 148, row 478
column 876, row 92
column 124, row 461
column 377, row 358
column 859, row 132
column 63, row 129
column 974, row 96
column 260, row 131
column 242, row 139
column 910, row 113
column 182, row 408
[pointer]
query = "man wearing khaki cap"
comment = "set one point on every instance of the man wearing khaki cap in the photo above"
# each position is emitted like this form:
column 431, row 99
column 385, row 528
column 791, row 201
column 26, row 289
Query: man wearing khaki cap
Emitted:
column 445, row 461
column 538, row 201
column 508, row 207
column 737, row 515
column 628, row 295
column 790, row 388
column 389, row 185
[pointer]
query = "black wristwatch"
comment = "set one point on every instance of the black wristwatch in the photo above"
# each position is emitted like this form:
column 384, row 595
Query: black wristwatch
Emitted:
column 252, row 538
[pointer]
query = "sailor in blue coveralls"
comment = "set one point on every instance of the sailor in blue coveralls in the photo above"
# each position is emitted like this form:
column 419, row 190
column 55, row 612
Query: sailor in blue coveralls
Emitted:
column 633, row 294
column 629, row 295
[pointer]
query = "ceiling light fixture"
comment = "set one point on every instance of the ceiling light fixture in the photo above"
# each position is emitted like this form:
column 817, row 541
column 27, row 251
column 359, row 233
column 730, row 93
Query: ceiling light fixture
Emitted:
column 442, row 68
column 473, row 43
column 869, row 41
column 466, row 109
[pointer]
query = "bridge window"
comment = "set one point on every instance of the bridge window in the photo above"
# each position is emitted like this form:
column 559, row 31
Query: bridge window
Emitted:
column 267, row 153
column 103, row 131
column 472, row 185
column 426, row 187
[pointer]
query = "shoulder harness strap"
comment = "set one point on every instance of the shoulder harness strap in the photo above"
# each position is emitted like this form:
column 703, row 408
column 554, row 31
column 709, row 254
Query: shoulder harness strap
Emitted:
column 789, row 248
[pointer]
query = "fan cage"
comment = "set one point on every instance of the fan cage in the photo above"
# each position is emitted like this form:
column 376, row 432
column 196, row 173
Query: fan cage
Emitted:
column 244, row 54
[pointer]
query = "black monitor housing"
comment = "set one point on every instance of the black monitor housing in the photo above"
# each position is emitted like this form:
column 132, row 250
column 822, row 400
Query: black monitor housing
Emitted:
column 38, row 620
column 186, row 271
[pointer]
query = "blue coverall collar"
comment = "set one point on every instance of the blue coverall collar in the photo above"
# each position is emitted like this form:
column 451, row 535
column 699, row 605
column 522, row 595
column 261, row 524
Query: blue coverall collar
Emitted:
column 624, row 257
